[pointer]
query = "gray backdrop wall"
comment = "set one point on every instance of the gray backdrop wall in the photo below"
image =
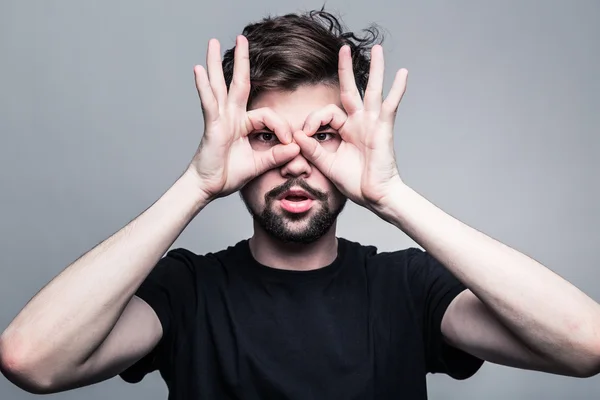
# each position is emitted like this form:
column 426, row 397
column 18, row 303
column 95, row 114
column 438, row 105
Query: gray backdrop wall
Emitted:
column 499, row 127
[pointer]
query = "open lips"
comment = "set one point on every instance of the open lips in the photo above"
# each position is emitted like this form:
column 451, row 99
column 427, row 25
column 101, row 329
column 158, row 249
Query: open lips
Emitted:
column 296, row 201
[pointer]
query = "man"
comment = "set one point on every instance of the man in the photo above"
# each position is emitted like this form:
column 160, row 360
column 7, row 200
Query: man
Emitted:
column 297, row 123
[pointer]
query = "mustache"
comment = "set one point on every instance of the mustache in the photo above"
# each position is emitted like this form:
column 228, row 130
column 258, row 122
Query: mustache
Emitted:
column 279, row 190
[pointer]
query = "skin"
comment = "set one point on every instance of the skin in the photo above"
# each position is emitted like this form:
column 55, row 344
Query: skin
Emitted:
column 294, row 107
column 516, row 312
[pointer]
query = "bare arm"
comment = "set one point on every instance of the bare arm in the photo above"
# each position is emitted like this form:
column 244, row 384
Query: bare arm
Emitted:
column 471, row 326
column 521, row 314
column 52, row 339
column 85, row 326
column 556, row 326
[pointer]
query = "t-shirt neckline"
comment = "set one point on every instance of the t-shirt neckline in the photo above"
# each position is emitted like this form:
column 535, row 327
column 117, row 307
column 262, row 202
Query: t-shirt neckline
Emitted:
column 275, row 273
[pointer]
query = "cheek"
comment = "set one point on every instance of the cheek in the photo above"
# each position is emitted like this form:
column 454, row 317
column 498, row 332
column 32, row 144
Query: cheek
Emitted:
column 318, row 180
column 249, row 193
column 336, row 196
column 254, row 191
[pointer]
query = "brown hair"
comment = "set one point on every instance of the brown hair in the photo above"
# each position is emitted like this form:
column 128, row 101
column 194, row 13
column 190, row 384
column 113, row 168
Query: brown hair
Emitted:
column 295, row 49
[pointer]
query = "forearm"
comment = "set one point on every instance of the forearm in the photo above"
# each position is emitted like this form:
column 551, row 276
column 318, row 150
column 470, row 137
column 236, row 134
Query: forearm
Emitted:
column 546, row 312
column 72, row 315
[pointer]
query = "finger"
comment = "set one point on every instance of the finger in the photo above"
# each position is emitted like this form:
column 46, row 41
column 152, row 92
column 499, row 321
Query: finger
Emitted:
column 373, row 93
column 215, row 71
column 265, row 117
column 210, row 108
column 349, row 93
column 276, row 156
column 389, row 107
column 240, row 84
column 314, row 152
column 330, row 115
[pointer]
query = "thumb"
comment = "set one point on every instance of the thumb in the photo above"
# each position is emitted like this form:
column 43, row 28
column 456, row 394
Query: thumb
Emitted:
column 313, row 151
column 276, row 156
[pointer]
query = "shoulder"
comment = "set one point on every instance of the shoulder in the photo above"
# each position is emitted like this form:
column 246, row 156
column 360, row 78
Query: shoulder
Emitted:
column 182, row 261
column 212, row 263
column 374, row 258
column 186, row 256
column 390, row 268
column 410, row 266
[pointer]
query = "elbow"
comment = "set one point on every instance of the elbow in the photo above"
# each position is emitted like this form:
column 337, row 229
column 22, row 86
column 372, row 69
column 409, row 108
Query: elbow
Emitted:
column 587, row 364
column 594, row 368
column 21, row 370
column 586, row 371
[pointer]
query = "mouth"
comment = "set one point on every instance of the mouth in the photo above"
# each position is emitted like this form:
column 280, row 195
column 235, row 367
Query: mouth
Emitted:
column 295, row 195
column 296, row 201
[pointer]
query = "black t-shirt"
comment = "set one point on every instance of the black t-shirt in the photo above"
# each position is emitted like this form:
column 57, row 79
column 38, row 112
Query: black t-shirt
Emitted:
column 366, row 326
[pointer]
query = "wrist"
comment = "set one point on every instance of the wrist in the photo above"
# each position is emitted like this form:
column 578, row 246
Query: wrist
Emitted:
column 191, row 184
column 389, row 208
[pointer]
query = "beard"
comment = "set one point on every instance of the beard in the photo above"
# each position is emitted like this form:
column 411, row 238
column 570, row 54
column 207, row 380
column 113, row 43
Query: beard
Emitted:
column 278, row 225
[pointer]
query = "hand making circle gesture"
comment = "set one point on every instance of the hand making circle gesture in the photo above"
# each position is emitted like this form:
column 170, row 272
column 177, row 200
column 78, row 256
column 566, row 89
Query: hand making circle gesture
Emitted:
column 364, row 165
column 225, row 160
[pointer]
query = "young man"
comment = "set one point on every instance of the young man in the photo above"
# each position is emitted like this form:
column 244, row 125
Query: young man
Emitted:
column 297, row 123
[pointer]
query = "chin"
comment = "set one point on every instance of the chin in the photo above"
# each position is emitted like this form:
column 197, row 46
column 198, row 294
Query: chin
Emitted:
column 289, row 235
column 301, row 228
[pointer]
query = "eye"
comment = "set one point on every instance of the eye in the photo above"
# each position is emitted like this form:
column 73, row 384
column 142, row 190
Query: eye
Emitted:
column 323, row 136
column 262, row 141
column 329, row 140
column 266, row 137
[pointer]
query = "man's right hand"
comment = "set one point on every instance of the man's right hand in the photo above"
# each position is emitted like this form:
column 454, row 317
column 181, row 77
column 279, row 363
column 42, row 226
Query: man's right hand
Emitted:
column 225, row 161
column 97, row 324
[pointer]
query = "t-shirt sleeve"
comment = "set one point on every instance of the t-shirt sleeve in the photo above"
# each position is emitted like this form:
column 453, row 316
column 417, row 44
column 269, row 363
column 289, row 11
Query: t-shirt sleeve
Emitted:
column 433, row 288
column 170, row 290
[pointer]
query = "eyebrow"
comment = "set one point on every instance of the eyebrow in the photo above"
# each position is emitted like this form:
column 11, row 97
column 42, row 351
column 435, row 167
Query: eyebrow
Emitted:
column 321, row 129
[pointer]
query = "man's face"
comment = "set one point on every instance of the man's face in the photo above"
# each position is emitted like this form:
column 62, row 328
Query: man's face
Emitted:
column 295, row 202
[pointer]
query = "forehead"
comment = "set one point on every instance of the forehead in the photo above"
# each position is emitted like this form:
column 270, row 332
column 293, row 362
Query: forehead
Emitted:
column 295, row 106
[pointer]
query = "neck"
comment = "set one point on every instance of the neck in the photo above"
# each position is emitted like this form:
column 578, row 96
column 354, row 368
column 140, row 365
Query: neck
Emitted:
column 274, row 253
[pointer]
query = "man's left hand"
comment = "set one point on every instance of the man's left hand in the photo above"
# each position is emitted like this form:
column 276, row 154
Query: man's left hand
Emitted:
column 363, row 167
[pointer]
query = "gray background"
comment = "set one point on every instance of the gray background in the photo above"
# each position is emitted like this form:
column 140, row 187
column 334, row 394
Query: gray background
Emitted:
column 499, row 127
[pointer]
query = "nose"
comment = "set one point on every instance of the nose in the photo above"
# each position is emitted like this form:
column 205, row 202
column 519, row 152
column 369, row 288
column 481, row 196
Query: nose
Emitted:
column 296, row 167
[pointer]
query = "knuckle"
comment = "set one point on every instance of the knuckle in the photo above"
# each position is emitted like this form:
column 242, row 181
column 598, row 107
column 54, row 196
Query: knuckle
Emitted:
column 333, row 107
column 268, row 111
column 240, row 82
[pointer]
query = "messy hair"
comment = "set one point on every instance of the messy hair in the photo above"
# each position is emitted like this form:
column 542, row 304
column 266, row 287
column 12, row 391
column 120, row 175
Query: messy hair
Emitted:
column 291, row 50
